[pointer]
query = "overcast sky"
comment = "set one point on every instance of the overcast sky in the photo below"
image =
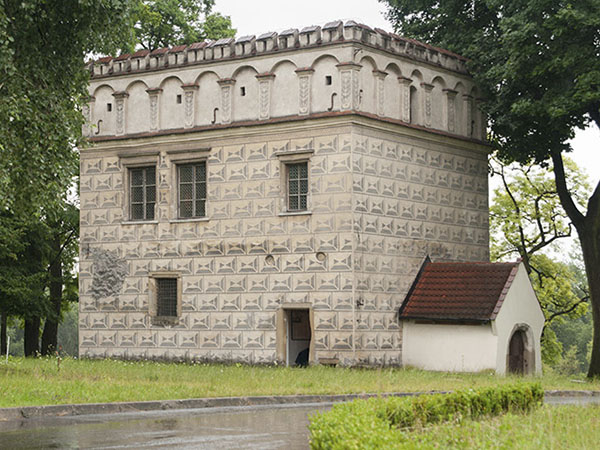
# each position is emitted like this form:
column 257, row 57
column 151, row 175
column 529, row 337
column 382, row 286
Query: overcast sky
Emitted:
column 259, row 16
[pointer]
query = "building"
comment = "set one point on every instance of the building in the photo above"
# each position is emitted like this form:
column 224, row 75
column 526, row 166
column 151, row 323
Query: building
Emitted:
column 469, row 317
column 245, row 200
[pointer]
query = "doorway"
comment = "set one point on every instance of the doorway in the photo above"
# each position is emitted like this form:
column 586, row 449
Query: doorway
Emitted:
column 298, row 337
column 516, row 353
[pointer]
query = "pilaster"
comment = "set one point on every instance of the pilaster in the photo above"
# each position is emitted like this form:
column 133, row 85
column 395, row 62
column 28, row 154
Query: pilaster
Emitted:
column 265, row 84
column 450, row 109
column 120, row 109
column 380, row 91
column 226, row 99
column 404, row 98
column 304, row 88
column 349, row 74
column 427, row 88
column 154, row 94
column 189, row 94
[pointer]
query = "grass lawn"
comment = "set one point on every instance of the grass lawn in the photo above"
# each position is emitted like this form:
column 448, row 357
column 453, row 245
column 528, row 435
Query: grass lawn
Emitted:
column 550, row 427
column 26, row 381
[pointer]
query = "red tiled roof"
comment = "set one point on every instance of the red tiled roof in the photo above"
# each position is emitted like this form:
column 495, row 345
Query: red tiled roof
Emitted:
column 457, row 292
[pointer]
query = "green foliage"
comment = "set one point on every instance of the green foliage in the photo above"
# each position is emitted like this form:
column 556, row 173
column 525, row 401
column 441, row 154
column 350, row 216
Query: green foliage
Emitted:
column 375, row 423
column 535, row 61
column 164, row 23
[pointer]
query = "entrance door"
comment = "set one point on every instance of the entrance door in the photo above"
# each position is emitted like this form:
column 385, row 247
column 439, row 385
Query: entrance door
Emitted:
column 298, row 337
column 516, row 353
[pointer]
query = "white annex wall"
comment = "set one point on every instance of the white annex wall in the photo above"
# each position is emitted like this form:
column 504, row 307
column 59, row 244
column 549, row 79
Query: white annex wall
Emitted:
column 520, row 307
column 457, row 348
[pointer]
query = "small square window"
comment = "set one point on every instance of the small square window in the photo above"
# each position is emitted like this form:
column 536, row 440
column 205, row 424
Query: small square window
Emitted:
column 142, row 193
column 243, row 91
column 192, row 190
column 178, row 98
column 328, row 80
column 166, row 297
column 297, row 184
column 109, row 107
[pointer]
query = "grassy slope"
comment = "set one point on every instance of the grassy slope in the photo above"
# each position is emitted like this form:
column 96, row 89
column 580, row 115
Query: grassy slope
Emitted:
column 550, row 427
column 26, row 382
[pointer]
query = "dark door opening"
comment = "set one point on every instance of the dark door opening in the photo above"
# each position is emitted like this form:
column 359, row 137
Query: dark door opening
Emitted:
column 516, row 353
column 298, row 337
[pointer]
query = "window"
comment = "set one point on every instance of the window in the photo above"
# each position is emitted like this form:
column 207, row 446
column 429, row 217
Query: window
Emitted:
column 166, row 297
column 328, row 80
column 192, row 190
column 297, row 183
column 142, row 193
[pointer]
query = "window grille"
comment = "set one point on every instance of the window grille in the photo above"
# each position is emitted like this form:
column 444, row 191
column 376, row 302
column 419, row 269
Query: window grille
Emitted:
column 297, row 186
column 192, row 190
column 142, row 194
column 166, row 297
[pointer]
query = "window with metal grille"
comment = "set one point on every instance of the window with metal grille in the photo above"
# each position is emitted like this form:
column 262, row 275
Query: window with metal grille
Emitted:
column 166, row 297
column 297, row 174
column 192, row 190
column 142, row 192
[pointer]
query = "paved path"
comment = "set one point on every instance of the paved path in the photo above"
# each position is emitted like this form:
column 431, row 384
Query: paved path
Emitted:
column 256, row 427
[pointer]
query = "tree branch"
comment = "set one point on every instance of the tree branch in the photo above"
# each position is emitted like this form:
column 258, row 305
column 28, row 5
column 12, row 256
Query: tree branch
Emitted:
column 566, row 311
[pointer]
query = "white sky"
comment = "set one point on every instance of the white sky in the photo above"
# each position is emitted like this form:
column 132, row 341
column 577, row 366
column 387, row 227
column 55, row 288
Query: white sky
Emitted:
column 259, row 16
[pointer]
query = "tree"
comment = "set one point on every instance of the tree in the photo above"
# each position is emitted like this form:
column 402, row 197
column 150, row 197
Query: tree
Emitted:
column 164, row 23
column 43, row 85
column 526, row 221
column 538, row 66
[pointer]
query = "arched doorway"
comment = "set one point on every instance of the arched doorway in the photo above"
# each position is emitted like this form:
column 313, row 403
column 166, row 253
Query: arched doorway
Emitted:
column 516, row 353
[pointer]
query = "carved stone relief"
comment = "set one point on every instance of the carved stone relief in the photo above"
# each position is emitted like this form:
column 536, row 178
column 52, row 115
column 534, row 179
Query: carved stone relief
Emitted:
column 120, row 107
column 468, row 112
column 451, row 109
column 226, row 99
column 350, row 95
column 404, row 98
column 265, row 81
column 189, row 94
column 304, row 78
column 380, row 92
column 154, row 119
column 427, row 88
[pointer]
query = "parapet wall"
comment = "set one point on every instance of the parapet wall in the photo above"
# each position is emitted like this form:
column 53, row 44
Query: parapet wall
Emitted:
column 292, row 39
column 339, row 68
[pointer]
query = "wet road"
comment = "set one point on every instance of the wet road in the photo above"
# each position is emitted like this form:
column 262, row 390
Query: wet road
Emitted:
column 258, row 427
column 264, row 427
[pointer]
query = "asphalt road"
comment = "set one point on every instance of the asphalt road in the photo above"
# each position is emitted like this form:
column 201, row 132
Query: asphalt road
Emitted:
column 262, row 427
column 244, row 427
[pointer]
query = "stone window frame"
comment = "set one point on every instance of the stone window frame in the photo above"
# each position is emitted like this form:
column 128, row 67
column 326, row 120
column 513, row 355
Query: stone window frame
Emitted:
column 180, row 158
column 285, row 159
column 153, row 297
column 129, row 162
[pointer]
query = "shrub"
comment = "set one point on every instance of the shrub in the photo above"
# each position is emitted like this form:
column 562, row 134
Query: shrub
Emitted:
column 376, row 422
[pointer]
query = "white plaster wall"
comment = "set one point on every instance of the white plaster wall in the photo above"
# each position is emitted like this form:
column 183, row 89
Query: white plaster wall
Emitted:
column 391, row 101
column 208, row 98
column 320, row 93
column 138, row 108
column 246, row 106
column 284, row 92
column 520, row 307
column 171, row 113
column 104, row 121
column 456, row 348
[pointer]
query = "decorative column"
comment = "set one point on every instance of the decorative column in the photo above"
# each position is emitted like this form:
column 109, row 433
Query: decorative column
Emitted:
column 265, row 83
column 350, row 96
column 468, row 114
column 481, row 120
column 87, row 115
column 120, row 108
column 189, row 94
column 427, row 88
column 154, row 107
column 404, row 98
column 450, row 109
column 304, row 100
column 226, row 99
column 380, row 91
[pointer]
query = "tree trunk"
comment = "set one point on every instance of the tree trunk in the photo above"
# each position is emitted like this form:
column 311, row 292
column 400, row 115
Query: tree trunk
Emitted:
column 590, row 246
column 3, row 339
column 588, row 229
column 50, row 334
column 32, row 336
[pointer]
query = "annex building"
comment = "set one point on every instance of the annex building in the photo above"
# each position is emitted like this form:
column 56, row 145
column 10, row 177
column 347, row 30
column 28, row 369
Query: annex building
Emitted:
column 272, row 199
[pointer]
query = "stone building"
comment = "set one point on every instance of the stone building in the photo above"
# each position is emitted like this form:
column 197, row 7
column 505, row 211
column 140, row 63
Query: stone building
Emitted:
column 247, row 199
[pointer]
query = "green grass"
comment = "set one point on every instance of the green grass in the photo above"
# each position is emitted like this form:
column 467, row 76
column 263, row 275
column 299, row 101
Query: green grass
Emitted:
column 550, row 427
column 25, row 382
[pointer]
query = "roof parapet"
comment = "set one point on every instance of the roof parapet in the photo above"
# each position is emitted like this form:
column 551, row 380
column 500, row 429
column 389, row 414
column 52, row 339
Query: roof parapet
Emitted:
column 247, row 46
